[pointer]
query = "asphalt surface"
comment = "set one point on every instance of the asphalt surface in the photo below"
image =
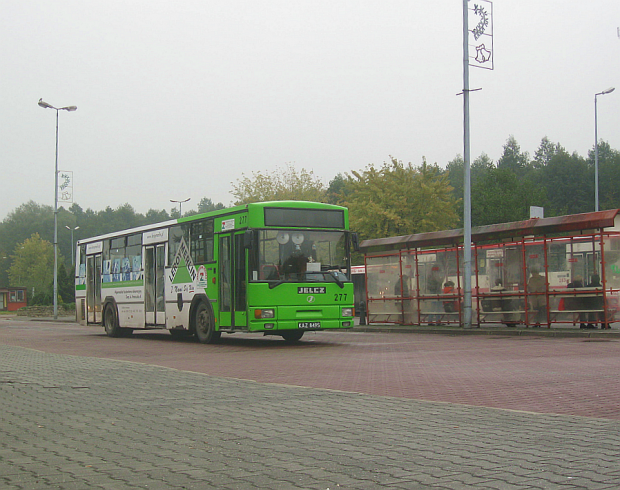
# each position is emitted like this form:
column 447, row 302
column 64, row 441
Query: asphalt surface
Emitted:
column 358, row 410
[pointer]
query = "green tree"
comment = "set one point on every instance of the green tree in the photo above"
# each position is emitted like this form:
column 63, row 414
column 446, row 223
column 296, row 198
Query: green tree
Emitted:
column 66, row 284
column 399, row 199
column 154, row 216
column 545, row 152
column 33, row 266
column 4, row 268
column 455, row 169
column 608, row 176
column 281, row 184
column 23, row 221
column 456, row 175
column 512, row 158
column 570, row 189
column 500, row 196
column 336, row 189
column 206, row 204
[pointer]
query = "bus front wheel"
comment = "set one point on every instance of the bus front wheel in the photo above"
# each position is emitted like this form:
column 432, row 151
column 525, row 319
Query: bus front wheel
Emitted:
column 292, row 335
column 205, row 325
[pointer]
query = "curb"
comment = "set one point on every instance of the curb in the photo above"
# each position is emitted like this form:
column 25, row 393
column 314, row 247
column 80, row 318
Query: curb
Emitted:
column 499, row 331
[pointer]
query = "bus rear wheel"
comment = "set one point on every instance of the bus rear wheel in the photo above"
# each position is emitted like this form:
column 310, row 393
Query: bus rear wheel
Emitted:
column 205, row 325
column 292, row 335
column 110, row 322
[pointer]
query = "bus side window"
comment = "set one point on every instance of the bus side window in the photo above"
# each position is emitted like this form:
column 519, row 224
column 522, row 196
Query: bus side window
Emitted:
column 201, row 241
column 175, row 235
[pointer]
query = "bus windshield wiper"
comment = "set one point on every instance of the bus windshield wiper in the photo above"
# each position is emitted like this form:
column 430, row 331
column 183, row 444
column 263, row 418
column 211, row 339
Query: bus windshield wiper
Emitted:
column 334, row 275
column 276, row 284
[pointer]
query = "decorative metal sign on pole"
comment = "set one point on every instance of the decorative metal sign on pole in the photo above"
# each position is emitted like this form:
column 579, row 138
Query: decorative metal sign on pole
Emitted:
column 65, row 186
column 480, row 35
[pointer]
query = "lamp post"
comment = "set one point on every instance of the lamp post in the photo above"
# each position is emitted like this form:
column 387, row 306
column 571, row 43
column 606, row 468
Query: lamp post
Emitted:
column 70, row 108
column 72, row 246
column 608, row 91
column 180, row 202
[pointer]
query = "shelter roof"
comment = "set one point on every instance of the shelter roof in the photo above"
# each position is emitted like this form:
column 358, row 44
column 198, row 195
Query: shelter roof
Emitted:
column 569, row 224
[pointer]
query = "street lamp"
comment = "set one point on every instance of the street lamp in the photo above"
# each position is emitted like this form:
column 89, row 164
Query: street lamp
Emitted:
column 72, row 246
column 70, row 108
column 180, row 202
column 608, row 91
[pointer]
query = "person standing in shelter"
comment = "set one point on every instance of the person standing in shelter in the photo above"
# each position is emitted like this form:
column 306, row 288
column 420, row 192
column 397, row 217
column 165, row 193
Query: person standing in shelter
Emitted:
column 597, row 303
column 450, row 306
column 404, row 291
column 538, row 302
column 503, row 303
column 433, row 286
column 576, row 303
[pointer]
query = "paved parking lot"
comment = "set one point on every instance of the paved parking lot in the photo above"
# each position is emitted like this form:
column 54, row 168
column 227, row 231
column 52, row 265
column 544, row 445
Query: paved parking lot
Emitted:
column 339, row 410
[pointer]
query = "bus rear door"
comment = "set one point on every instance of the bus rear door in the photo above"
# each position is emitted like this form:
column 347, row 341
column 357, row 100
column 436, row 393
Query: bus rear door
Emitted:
column 93, row 288
column 154, row 284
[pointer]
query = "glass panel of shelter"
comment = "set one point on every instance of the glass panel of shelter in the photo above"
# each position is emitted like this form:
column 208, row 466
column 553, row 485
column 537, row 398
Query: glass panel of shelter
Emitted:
column 508, row 268
column 382, row 282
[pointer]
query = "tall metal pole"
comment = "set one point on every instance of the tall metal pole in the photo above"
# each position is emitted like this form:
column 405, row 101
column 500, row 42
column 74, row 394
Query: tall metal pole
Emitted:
column 56, row 226
column 466, row 180
column 604, row 92
column 595, row 156
column 70, row 108
column 72, row 244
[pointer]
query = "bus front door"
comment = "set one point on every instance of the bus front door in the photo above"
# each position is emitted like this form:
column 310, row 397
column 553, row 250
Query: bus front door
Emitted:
column 232, row 304
column 93, row 288
column 154, row 284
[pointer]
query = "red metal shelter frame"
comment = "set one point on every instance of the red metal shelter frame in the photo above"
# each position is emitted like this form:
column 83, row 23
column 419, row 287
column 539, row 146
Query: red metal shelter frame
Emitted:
column 505, row 256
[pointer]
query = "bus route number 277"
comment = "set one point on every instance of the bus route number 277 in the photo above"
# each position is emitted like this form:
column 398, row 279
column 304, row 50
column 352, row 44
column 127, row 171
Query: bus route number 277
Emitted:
column 340, row 296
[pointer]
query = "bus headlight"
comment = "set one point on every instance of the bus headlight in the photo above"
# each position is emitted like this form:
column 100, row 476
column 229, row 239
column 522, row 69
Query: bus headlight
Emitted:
column 347, row 312
column 261, row 314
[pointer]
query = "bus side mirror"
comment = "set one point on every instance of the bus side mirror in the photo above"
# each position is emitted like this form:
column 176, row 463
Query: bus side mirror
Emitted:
column 248, row 239
column 355, row 242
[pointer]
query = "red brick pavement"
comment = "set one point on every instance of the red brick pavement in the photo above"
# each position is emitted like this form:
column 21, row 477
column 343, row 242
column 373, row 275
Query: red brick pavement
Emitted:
column 570, row 376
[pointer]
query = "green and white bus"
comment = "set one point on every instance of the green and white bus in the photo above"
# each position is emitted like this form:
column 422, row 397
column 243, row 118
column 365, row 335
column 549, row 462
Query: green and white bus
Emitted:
column 281, row 268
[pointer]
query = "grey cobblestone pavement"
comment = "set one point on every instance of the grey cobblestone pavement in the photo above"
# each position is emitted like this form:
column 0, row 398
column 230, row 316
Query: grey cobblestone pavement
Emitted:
column 70, row 422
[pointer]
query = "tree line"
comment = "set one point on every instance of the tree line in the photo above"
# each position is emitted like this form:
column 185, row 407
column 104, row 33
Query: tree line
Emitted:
column 393, row 198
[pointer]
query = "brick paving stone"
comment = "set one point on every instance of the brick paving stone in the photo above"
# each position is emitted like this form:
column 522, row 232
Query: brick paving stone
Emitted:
column 137, row 425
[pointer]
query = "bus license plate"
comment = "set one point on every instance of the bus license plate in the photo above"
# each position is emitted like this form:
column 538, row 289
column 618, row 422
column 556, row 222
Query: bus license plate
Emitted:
column 308, row 325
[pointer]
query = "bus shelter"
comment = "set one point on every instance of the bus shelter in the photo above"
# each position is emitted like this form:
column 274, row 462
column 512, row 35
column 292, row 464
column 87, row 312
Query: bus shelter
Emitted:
column 531, row 273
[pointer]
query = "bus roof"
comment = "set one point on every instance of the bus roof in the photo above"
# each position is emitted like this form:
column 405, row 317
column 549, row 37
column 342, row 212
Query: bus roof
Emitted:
column 211, row 214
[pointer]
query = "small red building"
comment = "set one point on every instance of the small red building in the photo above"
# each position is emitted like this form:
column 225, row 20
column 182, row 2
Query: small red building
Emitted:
column 12, row 299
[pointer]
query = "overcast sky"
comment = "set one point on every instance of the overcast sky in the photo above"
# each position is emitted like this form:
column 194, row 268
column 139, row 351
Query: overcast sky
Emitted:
column 177, row 99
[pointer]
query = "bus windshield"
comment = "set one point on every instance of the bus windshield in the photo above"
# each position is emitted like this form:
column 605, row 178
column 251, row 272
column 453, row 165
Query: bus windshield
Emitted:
column 299, row 255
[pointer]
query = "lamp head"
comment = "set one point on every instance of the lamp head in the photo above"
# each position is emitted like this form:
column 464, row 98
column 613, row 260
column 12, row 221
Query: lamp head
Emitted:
column 607, row 91
column 71, row 108
column 45, row 105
